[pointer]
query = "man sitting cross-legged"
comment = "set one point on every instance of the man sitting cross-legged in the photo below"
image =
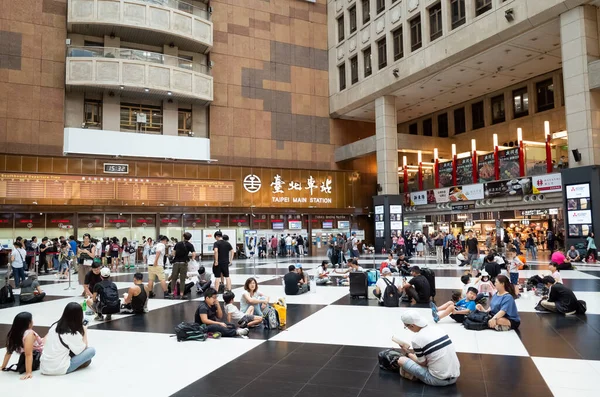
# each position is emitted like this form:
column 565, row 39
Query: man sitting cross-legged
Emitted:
column 457, row 311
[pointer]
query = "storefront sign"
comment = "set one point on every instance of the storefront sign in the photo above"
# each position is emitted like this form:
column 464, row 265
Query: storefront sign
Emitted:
column 464, row 171
column 279, row 187
column 466, row 193
column 534, row 212
column 485, row 167
column 578, row 191
column 553, row 211
column 463, row 207
column 445, row 172
column 509, row 163
column 511, row 187
column 418, row 198
column 441, row 195
column 546, row 183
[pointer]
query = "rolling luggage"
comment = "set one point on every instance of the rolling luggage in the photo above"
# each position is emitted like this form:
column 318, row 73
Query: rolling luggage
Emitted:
column 358, row 284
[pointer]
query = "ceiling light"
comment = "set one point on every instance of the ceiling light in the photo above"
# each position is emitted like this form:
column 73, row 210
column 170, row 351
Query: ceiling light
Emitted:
column 169, row 93
column 122, row 87
column 147, row 89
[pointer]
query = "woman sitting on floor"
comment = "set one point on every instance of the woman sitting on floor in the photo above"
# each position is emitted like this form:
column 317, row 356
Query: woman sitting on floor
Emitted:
column 502, row 307
column 251, row 297
column 24, row 340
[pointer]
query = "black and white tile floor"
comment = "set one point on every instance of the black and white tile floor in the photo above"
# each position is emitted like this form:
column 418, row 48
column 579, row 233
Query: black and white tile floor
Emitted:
column 329, row 347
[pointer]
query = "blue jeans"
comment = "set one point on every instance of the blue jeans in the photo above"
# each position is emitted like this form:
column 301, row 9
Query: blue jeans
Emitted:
column 19, row 274
column 514, row 278
column 80, row 359
column 425, row 376
column 533, row 251
column 55, row 263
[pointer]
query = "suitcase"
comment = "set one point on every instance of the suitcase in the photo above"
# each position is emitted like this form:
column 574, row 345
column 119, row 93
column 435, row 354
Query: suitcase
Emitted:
column 358, row 284
column 430, row 276
column 282, row 311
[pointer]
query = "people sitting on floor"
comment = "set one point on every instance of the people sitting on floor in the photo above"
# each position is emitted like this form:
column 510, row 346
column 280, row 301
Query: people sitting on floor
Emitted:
column 560, row 299
column 390, row 263
column 433, row 358
column 245, row 319
column 572, row 255
column 461, row 258
column 502, row 307
column 294, row 284
column 387, row 278
column 136, row 297
column 92, row 278
column 538, row 279
column 402, row 264
column 105, row 298
column 323, row 274
column 559, row 258
column 31, row 292
column 210, row 314
column 485, row 286
column 456, row 310
column 304, row 276
column 417, row 288
column 66, row 345
column 491, row 266
column 204, row 280
column 22, row 339
column 252, row 297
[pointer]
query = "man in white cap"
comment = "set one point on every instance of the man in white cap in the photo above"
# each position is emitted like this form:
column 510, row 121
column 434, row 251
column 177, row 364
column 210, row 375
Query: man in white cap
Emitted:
column 433, row 358
column 105, row 299
column 383, row 282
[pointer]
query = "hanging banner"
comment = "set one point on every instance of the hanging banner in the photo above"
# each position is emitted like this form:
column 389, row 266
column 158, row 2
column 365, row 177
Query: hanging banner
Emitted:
column 250, row 242
column 512, row 187
column 509, row 163
column 546, row 183
column 464, row 171
column 485, row 167
column 441, row 195
column 466, row 193
column 445, row 171
column 418, row 198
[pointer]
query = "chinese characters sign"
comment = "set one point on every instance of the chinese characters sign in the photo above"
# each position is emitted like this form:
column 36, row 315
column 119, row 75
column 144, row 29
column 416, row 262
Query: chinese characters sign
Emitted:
column 464, row 171
column 309, row 189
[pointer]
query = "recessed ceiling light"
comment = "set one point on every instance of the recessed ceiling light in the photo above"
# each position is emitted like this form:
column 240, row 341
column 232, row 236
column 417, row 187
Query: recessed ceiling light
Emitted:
column 122, row 87
column 169, row 93
column 147, row 89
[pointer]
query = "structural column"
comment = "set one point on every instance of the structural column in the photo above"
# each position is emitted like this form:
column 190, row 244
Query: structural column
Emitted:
column 386, row 135
column 580, row 46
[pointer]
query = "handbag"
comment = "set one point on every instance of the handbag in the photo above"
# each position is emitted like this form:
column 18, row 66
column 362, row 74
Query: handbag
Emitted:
column 20, row 366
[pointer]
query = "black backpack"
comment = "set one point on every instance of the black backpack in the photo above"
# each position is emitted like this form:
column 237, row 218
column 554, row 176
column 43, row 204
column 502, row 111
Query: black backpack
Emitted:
column 430, row 276
column 477, row 321
column 391, row 296
column 6, row 295
column 191, row 331
column 388, row 360
column 109, row 299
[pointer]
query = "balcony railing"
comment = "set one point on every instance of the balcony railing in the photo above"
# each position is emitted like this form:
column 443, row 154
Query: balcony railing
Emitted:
column 136, row 55
column 181, row 6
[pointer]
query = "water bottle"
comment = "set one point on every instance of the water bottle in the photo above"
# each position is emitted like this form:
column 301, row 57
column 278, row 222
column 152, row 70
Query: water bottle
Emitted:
column 84, row 306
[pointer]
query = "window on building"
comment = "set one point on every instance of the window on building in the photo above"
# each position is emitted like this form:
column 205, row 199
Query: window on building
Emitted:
column 521, row 102
column 382, row 53
column 498, row 114
column 413, row 129
column 380, row 5
column 443, row 125
column 352, row 17
column 354, row 70
column 482, row 6
column 415, row 33
column 184, row 121
column 477, row 115
column 435, row 21
column 398, row 39
column 342, row 76
column 458, row 13
column 460, row 124
column 152, row 115
column 340, row 23
column 427, row 127
column 367, row 61
column 545, row 95
column 92, row 116
column 366, row 11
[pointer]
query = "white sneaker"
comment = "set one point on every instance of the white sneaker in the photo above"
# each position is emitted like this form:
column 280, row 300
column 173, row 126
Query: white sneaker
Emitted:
column 242, row 332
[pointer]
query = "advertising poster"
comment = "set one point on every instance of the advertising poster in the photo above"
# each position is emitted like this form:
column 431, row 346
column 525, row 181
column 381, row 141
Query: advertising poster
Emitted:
column 546, row 183
column 250, row 242
column 509, row 163
column 418, row 198
column 579, row 214
column 511, row 187
column 445, row 170
column 441, row 195
column 464, row 171
column 485, row 167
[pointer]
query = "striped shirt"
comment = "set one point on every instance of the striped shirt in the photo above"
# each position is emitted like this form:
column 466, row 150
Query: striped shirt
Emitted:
column 434, row 347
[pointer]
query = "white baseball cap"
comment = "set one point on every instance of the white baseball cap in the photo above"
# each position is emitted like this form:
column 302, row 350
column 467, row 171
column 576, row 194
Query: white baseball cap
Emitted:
column 386, row 270
column 410, row 317
column 105, row 272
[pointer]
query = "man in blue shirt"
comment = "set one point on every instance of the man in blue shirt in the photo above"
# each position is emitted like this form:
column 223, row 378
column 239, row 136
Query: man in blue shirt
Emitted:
column 457, row 311
column 73, row 253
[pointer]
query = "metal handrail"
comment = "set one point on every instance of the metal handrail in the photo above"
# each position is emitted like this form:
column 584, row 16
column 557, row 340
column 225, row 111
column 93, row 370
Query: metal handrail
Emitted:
column 181, row 6
column 135, row 55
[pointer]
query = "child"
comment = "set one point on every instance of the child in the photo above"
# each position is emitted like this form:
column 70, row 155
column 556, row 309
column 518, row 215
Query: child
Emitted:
column 63, row 261
column 323, row 274
column 466, row 280
column 461, row 258
column 210, row 314
column 513, row 266
column 236, row 316
column 24, row 340
column 486, row 287
column 457, row 311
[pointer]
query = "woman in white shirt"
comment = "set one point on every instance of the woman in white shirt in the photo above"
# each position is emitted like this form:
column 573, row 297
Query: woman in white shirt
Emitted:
column 17, row 263
column 66, row 349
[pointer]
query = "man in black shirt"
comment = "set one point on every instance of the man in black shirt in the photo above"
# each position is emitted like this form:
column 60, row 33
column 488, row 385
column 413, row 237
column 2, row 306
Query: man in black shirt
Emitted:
column 183, row 249
column 472, row 247
column 294, row 284
column 43, row 261
column 91, row 279
column 560, row 298
column 223, row 252
column 418, row 287
column 210, row 312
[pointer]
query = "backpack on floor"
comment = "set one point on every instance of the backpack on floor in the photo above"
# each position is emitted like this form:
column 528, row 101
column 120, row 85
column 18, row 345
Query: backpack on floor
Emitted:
column 388, row 360
column 581, row 307
column 477, row 321
column 271, row 318
column 191, row 331
column 6, row 295
column 391, row 296
column 109, row 299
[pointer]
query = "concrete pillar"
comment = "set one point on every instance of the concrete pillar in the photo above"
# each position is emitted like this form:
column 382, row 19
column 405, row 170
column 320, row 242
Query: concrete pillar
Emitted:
column 580, row 46
column 386, row 135
column 111, row 112
column 200, row 120
column 74, row 109
column 170, row 118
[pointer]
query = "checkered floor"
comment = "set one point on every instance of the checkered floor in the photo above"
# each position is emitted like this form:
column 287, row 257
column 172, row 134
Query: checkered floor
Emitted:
column 329, row 347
